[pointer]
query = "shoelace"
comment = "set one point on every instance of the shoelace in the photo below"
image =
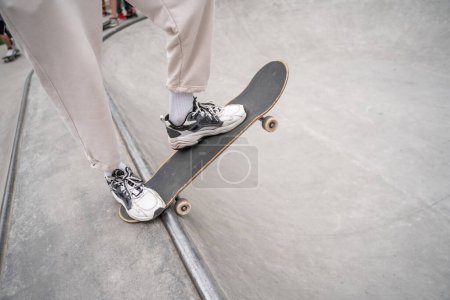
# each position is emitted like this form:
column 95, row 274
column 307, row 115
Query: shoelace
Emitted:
column 127, row 180
column 208, row 108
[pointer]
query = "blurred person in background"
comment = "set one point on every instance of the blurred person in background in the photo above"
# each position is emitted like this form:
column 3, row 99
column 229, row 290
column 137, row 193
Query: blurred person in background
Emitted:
column 6, row 37
column 114, row 19
column 130, row 11
column 104, row 10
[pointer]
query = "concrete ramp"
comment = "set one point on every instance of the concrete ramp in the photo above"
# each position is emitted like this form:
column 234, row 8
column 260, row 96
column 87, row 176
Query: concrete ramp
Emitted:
column 349, row 199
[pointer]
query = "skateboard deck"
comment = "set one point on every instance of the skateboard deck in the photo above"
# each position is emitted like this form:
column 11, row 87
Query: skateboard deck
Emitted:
column 180, row 169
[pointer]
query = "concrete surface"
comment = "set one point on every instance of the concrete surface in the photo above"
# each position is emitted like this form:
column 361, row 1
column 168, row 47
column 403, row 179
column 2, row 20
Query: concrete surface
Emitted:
column 352, row 198
column 66, row 239
column 13, row 77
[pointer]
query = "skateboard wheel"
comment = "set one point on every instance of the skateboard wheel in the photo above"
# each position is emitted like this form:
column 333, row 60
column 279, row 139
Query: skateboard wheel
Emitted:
column 183, row 207
column 269, row 123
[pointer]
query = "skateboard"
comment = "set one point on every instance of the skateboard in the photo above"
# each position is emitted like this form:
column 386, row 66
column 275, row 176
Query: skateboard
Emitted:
column 11, row 58
column 180, row 169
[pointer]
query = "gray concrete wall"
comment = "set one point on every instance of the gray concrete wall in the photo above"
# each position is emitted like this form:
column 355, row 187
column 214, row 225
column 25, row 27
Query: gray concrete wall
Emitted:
column 352, row 195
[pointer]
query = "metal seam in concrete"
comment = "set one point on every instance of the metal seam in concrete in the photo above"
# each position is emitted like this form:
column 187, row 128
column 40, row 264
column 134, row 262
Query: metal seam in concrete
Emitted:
column 11, row 175
column 197, row 269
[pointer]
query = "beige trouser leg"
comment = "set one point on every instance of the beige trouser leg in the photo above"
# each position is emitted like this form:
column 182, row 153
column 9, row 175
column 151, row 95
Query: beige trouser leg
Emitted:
column 189, row 27
column 62, row 39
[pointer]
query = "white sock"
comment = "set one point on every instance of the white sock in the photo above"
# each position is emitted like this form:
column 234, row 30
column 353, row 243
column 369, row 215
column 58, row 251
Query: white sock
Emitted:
column 121, row 166
column 180, row 106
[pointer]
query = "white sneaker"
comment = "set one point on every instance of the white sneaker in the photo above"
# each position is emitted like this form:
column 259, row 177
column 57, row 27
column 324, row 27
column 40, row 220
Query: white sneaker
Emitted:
column 204, row 120
column 141, row 203
column 111, row 23
column 9, row 53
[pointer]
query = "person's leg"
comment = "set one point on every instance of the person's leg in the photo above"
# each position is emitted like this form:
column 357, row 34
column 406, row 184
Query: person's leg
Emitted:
column 62, row 39
column 5, row 38
column 4, row 35
column 118, row 6
column 114, row 19
column 63, row 42
column 113, row 5
column 126, row 5
column 104, row 11
column 189, row 28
